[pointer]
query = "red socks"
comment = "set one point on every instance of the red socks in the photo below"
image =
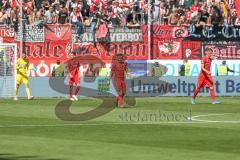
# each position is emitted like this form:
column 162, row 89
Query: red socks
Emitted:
column 120, row 100
column 196, row 92
column 212, row 94
column 77, row 90
column 70, row 90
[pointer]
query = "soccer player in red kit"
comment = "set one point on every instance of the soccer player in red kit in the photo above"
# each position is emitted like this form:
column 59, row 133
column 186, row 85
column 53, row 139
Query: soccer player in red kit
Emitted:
column 118, row 71
column 205, row 79
column 73, row 76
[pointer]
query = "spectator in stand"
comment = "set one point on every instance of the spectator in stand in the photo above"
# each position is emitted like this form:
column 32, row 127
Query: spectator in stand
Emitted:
column 14, row 18
column 216, row 16
column 129, row 16
column 232, row 17
column 50, row 16
column 169, row 6
column 62, row 16
column 143, row 8
column 102, row 32
column 100, row 4
column 136, row 13
column 5, row 6
column 94, row 22
column 45, row 4
column 163, row 14
column 116, row 11
column 28, row 6
column 194, row 10
column 38, row 4
column 173, row 18
column 39, row 16
column 223, row 8
column 83, row 12
column 56, row 7
column 86, row 15
column 187, row 3
column 181, row 21
column 204, row 18
column 156, row 10
column 31, row 17
column 77, row 20
column 181, row 11
column 76, row 4
column 3, row 17
column 187, row 16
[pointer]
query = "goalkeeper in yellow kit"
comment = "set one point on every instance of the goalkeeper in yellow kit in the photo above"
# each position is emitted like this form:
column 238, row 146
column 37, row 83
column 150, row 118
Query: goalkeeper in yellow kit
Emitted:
column 22, row 68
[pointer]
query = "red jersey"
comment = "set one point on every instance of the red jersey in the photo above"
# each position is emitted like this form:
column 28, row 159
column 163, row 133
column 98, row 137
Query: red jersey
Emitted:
column 188, row 15
column 194, row 8
column 118, row 69
column 73, row 67
column 206, row 61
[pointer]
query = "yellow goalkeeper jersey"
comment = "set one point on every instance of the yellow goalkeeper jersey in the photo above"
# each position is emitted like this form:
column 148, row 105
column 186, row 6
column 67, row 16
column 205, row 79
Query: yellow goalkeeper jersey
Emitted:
column 22, row 66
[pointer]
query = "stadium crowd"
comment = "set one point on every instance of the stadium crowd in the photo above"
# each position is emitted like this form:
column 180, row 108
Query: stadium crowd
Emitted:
column 120, row 12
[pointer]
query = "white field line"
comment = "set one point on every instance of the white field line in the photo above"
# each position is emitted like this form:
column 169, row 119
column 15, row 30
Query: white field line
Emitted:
column 197, row 118
column 192, row 120
column 97, row 124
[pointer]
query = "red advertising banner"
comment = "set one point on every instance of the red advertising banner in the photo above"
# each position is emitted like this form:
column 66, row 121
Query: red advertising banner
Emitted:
column 192, row 50
column 58, row 32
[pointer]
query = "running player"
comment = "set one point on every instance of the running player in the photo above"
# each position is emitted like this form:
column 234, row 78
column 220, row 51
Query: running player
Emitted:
column 73, row 76
column 22, row 68
column 118, row 71
column 205, row 79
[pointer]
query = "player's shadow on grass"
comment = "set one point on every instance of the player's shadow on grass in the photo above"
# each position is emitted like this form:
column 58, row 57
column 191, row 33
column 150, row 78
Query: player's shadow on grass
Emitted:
column 7, row 156
column 142, row 86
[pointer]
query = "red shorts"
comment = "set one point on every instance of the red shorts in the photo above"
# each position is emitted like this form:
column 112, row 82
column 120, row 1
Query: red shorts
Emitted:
column 74, row 80
column 120, row 85
column 205, row 81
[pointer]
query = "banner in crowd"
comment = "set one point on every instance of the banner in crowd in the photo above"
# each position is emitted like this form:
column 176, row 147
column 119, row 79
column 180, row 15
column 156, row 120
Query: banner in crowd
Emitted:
column 46, row 46
column 164, row 31
column 133, row 50
column 58, row 32
column 217, row 33
column 7, row 32
column 31, row 34
column 224, row 50
column 168, row 40
column 116, row 35
column 191, row 50
column 169, row 49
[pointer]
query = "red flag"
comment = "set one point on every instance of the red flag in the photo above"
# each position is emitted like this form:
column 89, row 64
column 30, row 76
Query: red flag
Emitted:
column 58, row 32
column 237, row 4
column 102, row 31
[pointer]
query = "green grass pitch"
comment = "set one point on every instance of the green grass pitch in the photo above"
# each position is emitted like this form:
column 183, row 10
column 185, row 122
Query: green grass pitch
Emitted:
column 161, row 128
